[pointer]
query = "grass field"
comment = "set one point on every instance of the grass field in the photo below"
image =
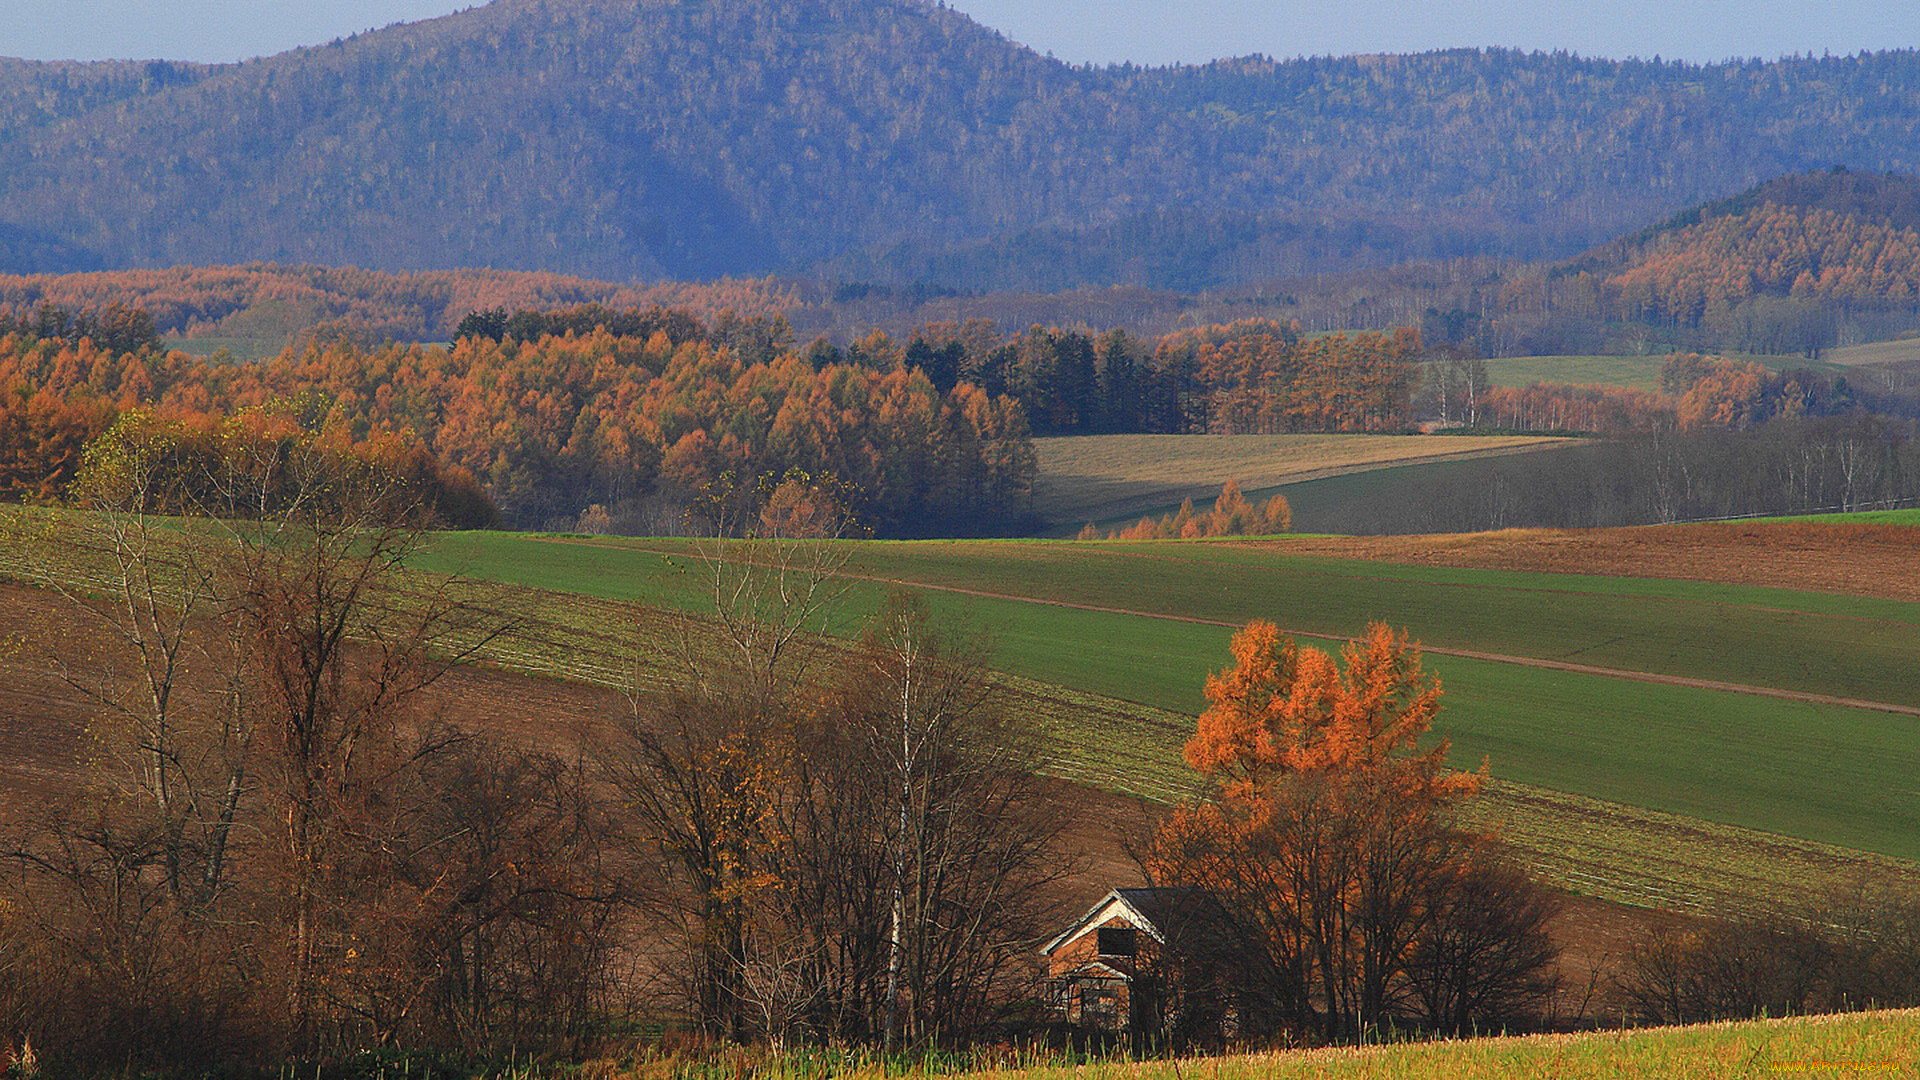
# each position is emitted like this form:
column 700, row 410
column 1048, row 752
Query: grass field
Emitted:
column 1909, row 516
column 1597, row 847
column 1877, row 352
column 1820, row 772
column 1637, row 372
column 1859, row 1045
column 1643, row 372
column 1114, row 479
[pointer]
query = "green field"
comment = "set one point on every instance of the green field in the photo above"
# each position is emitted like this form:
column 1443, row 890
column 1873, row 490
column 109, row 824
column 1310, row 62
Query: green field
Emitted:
column 1863, row 517
column 1636, row 372
column 1604, row 848
column 1643, row 372
column 1883, row 1044
column 1820, row 772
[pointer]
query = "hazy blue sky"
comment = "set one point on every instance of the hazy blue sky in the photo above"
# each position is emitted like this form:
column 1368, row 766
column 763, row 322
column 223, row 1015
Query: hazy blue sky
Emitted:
column 1147, row 31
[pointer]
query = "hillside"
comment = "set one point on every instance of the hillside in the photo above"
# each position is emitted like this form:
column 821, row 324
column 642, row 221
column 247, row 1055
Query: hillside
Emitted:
column 1646, row 744
column 256, row 309
column 624, row 140
column 1832, row 237
column 1824, row 262
column 1798, row 265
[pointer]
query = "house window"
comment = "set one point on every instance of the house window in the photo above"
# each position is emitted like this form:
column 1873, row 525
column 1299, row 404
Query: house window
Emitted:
column 1117, row 941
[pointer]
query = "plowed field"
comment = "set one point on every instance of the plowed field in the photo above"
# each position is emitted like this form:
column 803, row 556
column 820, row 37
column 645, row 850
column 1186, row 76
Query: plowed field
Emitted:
column 1865, row 560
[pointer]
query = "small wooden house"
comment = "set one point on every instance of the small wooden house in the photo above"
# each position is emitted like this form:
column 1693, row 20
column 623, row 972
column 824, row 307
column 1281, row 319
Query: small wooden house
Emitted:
column 1123, row 967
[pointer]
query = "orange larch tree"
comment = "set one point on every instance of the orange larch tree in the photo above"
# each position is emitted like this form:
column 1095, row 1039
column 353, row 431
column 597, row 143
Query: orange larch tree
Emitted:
column 1323, row 837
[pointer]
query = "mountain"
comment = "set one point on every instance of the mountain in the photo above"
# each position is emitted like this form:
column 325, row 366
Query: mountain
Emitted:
column 888, row 140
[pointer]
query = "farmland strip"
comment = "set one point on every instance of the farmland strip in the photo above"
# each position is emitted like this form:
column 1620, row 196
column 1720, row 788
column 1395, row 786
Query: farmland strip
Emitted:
column 1469, row 654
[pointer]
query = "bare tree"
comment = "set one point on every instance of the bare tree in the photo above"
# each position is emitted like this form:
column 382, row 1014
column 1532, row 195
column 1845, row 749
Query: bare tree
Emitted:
column 702, row 763
column 173, row 720
column 769, row 566
column 1487, row 954
column 337, row 641
column 921, row 842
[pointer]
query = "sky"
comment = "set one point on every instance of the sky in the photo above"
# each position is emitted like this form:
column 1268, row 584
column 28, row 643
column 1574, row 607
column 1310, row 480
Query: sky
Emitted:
column 1083, row 31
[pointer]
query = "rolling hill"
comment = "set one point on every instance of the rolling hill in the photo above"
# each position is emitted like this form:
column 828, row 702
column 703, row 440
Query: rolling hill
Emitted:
column 642, row 139
column 1651, row 746
column 1648, row 744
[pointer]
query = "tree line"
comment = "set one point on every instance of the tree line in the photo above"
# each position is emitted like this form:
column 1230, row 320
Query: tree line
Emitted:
column 1696, row 392
column 278, row 302
column 1250, row 376
column 638, row 411
column 1230, row 515
column 599, row 419
column 555, row 426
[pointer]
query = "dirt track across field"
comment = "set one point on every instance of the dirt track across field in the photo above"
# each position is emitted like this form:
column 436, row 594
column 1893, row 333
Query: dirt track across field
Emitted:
column 1861, row 560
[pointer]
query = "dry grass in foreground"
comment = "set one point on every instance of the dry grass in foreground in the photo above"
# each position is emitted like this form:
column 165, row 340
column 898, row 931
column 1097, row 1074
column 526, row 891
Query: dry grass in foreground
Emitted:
column 1881, row 1044
column 1105, row 478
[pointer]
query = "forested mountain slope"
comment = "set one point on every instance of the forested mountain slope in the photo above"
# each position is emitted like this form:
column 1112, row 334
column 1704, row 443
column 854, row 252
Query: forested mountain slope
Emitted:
column 1838, row 237
column 891, row 139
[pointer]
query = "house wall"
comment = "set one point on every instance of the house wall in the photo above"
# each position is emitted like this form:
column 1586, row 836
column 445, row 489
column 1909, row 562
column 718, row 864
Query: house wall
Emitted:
column 1093, row 998
column 1086, row 948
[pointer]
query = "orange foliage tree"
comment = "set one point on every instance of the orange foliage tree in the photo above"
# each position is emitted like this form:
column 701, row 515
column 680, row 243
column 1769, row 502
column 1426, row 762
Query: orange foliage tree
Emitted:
column 1232, row 515
column 1323, row 841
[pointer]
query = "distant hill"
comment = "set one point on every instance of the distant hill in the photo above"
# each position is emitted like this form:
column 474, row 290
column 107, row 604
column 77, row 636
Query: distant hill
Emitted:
column 1794, row 266
column 888, row 140
column 258, row 308
column 1783, row 267
column 1890, row 200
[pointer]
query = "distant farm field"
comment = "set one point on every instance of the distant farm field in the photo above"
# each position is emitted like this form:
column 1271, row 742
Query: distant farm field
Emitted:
column 1878, row 352
column 1636, row 372
column 1867, row 554
column 1113, row 479
column 1643, row 372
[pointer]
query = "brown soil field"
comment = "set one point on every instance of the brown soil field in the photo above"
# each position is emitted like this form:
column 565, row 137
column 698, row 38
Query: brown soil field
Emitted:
column 44, row 749
column 1103, row 478
column 1862, row 560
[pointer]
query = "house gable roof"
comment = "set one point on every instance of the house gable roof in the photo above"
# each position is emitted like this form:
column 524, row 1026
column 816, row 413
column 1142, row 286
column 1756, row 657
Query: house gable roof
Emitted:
column 1139, row 907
